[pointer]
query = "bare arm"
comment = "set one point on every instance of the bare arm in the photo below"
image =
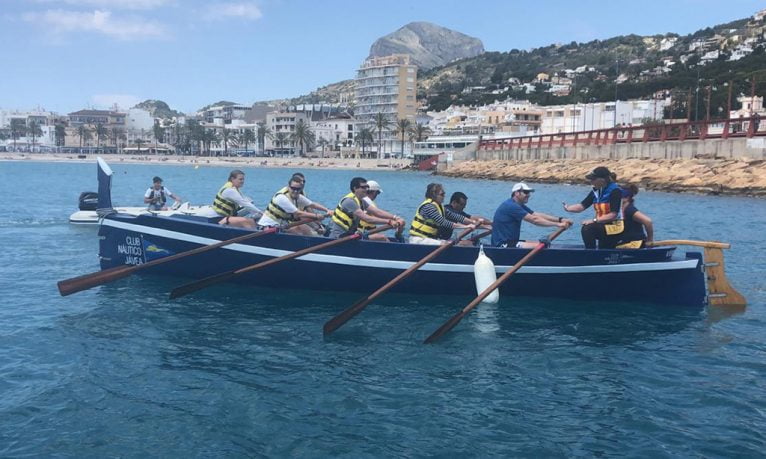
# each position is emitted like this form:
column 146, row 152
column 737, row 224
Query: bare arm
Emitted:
column 364, row 216
column 648, row 225
column 574, row 208
column 541, row 220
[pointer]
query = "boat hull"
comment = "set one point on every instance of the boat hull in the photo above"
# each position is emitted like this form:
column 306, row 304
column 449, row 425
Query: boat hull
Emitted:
column 570, row 273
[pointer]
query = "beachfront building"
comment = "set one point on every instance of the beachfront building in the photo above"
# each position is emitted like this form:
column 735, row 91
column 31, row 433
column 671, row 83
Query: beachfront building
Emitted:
column 600, row 115
column 18, row 127
column 512, row 117
column 83, row 127
column 337, row 132
column 282, row 127
column 224, row 114
column 386, row 85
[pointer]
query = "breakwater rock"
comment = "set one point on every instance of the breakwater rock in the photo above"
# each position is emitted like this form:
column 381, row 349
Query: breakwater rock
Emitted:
column 711, row 176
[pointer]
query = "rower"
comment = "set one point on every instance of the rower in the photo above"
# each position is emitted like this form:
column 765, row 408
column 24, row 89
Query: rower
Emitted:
column 506, row 224
column 639, row 229
column 432, row 217
column 372, row 194
column 289, row 204
column 353, row 209
column 457, row 203
column 229, row 202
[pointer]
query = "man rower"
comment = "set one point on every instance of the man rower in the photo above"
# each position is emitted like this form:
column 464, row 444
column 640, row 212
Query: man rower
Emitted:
column 506, row 224
column 457, row 204
column 353, row 209
column 373, row 192
column 288, row 205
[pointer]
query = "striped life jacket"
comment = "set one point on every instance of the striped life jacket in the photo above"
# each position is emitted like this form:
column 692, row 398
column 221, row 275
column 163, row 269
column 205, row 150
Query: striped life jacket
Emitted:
column 223, row 206
column 342, row 218
column 425, row 227
column 275, row 212
column 602, row 207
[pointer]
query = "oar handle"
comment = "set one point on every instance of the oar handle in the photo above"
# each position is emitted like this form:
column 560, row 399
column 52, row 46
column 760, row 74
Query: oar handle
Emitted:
column 708, row 244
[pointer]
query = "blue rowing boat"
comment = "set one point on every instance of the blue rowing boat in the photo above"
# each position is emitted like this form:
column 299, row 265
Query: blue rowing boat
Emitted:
column 661, row 275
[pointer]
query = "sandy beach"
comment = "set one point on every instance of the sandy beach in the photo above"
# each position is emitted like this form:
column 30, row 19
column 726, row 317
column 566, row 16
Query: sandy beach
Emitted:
column 706, row 176
column 302, row 163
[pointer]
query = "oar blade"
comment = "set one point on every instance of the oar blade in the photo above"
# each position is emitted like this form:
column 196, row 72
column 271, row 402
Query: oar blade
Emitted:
column 80, row 283
column 446, row 327
column 338, row 321
column 200, row 284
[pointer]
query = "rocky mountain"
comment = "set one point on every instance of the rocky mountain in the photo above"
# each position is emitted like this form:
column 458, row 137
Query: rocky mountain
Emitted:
column 429, row 45
column 158, row 108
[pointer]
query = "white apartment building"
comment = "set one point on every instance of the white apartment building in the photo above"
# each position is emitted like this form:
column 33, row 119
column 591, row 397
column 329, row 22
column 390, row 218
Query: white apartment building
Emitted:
column 600, row 115
column 386, row 85
column 224, row 114
column 282, row 125
column 338, row 132
column 45, row 140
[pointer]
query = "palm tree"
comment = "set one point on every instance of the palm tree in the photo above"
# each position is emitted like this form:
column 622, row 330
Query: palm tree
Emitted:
column 363, row 137
column 381, row 124
column 247, row 137
column 159, row 133
column 262, row 133
column 101, row 132
column 60, row 134
column 210, row 137
column 227, row 137
column 35, row 131
column 116, row 134
column 403, row 128
column 83, row 132
column 322, row 142
column 420, row 131
column 280, row 138
column 195, row 133
column 18, row 128
column 302, row 135
column 140, row 142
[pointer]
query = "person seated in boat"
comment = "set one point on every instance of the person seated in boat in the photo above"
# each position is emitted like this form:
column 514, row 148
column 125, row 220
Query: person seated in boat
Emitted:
column 235, row 208
column 605, row 228
column 506, row 224
column 373, row 192
column 432, row 217
column 157, row 195
column 639, row 228
column 353, row 209
column 457, row 203
column 289, row 205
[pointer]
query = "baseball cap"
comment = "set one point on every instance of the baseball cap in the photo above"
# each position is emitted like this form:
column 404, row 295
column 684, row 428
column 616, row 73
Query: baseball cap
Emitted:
column 521, row 186
column 599, row 172
column 374, row 186
column 156, row 179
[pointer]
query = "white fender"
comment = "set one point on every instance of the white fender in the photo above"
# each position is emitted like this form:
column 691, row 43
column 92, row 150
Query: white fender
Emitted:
column 484, row 273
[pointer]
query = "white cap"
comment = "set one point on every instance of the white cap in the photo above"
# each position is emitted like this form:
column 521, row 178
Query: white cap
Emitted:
column 374, row 186
column 521, row 186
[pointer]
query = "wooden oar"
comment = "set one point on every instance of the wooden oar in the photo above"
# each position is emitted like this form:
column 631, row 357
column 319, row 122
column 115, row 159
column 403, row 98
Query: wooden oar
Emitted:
column 222, row 277
column 338, row 321
column 480, row 235
column 450, row 324
column 84, row 282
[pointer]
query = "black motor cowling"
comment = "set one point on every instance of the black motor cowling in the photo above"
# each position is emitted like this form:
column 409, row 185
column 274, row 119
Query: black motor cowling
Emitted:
column 88, row 200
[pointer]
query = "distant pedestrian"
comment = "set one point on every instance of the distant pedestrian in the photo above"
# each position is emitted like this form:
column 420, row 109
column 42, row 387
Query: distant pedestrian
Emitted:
column 157, row 196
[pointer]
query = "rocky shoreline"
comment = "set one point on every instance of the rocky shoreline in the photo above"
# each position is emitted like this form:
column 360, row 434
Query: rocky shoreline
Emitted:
column 711, row 176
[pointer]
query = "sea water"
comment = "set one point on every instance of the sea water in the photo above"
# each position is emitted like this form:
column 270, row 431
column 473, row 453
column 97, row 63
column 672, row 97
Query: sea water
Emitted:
column 120, row 370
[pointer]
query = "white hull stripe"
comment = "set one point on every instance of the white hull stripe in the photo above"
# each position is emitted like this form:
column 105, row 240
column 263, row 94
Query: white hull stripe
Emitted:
column 402, row 265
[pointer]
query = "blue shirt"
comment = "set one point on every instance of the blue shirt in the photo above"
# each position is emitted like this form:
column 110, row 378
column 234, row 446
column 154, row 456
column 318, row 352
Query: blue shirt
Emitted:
column 506, row 225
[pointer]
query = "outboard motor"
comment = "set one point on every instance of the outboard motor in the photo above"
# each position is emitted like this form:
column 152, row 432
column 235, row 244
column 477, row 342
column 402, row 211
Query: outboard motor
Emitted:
column 88, row 200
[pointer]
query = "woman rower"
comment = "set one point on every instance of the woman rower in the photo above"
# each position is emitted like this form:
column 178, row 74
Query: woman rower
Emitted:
column 432, row 216
column 634, row 237
column 229, row 202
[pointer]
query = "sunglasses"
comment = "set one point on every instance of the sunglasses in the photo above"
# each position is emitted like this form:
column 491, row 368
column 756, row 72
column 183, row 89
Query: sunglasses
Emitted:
column 294, row 188
column 364, row 186
column 525, row 191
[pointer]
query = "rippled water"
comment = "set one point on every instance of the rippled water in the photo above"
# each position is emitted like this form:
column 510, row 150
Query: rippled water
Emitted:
column 119, row 370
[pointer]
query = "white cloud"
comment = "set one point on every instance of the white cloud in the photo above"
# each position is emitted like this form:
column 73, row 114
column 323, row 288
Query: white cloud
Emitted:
column 60, row 22
column 114, row 4
column 243, row 10
column 106, row 101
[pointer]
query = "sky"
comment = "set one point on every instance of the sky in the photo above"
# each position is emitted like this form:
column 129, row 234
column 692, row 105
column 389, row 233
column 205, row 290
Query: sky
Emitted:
column 67, row 55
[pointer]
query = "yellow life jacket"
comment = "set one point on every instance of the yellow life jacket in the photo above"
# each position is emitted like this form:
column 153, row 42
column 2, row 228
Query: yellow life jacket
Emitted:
column 425, row 227
column 275, row 212
column 223, row 206
column 341, row 217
